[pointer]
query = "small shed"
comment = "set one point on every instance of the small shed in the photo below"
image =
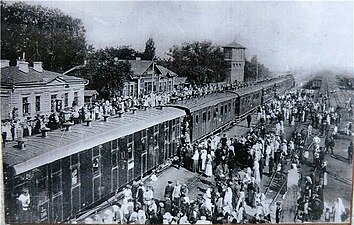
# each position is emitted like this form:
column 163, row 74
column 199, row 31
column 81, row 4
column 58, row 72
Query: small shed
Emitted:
column 90, row 96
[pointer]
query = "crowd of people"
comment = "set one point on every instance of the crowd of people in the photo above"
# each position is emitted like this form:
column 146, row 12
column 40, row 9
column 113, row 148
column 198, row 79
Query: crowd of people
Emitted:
column 16, row 127
column 237, row 165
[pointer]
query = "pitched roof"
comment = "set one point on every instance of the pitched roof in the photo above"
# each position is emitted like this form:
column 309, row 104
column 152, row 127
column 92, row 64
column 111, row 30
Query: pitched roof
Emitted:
column 90, row 92
column 166, row 72
column 138, row 67
column 13, row 76
column 234, row 44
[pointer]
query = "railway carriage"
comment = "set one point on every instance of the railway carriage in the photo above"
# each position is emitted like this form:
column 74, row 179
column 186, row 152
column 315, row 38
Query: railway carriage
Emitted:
column 284, row 83
column 71, row 170
column 247, row 100
column 268, row 91
column 208, row 113
column 349, row 81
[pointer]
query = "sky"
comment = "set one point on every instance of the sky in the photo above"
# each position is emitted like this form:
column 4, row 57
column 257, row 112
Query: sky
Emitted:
column 294, row 34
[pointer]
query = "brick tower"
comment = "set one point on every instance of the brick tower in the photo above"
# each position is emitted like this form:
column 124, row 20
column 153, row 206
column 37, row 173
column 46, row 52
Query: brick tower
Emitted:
column 234, row 55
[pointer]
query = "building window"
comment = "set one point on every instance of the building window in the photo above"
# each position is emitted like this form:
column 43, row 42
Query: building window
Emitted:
column 76, row 98
column 25, row 106
column 66, row 99
column 52, row 101
column 38, row 103
column 170, row 86
column 147, row 87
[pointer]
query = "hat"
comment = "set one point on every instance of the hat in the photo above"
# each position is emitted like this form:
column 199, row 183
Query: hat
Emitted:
column 170, row 182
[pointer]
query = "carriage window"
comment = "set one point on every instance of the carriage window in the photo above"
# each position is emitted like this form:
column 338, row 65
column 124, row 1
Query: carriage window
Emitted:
column 130, row 152
column 130, row 138
column 74, row 175
column 42, row 190
column 204, row 117
column 122, row 155
column 143, row 145
column 196, row 119
column 56, row 183
column 114, row 159
column 74, row 159
column 115, row 144
column 225, row 108
column 209, row 115
column 143, row 133
column 221, row 110
column 156, row 140
column 96, row 151
column 96, row 166
column 56, row 166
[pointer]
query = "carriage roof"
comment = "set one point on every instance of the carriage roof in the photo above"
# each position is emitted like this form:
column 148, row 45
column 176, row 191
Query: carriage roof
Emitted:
column 205, row 101
column 60, row 143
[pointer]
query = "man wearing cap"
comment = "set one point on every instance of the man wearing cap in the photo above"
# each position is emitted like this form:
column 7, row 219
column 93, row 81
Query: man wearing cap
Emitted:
column 169, row 190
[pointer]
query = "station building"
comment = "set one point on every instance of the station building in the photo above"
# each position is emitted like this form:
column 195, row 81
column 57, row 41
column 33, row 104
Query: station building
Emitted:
column 28, row 91
column 234, row 55
column 148, row 77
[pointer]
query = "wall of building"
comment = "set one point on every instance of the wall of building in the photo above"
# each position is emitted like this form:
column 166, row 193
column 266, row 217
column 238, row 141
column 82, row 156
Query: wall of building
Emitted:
column 16, row 96
column 236, row 61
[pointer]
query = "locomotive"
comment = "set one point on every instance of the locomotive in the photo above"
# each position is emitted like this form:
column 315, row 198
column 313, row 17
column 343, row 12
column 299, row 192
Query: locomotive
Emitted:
column 69, row 171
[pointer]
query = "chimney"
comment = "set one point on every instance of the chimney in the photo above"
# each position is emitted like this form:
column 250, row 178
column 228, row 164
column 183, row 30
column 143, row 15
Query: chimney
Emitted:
column 23, row 66
column 5, row 63
column 37, row 66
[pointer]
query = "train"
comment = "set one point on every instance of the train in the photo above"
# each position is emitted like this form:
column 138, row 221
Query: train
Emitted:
column 69, row 171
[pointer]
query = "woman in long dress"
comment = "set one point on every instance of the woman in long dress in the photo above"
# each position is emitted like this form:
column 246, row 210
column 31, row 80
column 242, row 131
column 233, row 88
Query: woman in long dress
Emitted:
column 338, row 210
column 228, row 197
column 203, row 158
column 209, row 167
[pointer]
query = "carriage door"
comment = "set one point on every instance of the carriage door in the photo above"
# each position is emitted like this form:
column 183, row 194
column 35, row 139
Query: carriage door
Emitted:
column 237, row 107
column 143, row 159
column 204, row 123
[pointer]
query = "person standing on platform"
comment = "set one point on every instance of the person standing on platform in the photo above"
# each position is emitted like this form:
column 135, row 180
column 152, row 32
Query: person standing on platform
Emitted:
column 25, row 200
column 278, row 212
column 176, row 194
column 249, row 119
column 350, row 152
column 169, row 190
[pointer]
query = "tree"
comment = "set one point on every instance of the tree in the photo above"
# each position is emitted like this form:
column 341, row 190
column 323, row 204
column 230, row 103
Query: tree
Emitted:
column 255, row 70
column 106, row 72
column 201, row 62
column 124, row 52
column 44, row 34
column 149, row 52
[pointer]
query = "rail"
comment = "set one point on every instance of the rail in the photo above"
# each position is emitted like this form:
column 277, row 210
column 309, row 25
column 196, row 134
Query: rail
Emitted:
column 270, row 183
column 280, row 189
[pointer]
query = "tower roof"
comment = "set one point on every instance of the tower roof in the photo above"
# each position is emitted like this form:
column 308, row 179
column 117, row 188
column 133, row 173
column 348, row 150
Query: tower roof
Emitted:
column 234, row 44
